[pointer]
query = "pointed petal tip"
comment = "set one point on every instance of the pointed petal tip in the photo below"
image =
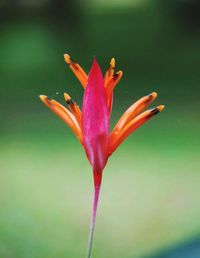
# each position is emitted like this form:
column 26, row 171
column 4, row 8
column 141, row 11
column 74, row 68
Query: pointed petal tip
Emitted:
column 66, row 96
column 45, row 99
column 42, row 97
column 156, row 110
column 161, row 107
column 67, row 58
column 95, row 67
column 153, row 95
column 95, row 61
column 112, row 62
column 120, row 72
column 117, row 76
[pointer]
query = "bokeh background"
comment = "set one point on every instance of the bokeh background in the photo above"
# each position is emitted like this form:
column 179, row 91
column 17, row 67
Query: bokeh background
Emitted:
column 149, row 204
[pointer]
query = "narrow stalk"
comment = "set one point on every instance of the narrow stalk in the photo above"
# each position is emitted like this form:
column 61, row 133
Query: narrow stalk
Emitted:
column 97, row 188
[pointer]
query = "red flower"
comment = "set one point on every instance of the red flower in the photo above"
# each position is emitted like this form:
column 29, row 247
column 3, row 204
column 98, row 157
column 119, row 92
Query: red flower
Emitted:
column 91, row 126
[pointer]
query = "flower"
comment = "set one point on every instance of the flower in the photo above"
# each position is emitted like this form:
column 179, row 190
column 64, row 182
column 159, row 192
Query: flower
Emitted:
column 92, row 125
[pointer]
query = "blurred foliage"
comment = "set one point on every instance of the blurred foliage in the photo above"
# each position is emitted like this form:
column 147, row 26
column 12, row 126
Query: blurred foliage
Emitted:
column 186, row 12
column 54, row 11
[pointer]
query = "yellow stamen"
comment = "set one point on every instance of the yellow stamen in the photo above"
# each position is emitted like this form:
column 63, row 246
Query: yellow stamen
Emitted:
column 117, row 138
column 134, row 110
column 64, row 114
column 110, row 71
column 77, row 70
column 74, row 108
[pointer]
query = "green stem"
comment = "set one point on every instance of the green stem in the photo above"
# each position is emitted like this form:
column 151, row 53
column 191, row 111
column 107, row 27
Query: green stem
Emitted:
column 93, row 218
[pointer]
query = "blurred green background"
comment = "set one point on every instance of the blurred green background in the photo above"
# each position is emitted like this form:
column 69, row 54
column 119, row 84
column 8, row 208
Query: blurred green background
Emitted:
column 150, row 194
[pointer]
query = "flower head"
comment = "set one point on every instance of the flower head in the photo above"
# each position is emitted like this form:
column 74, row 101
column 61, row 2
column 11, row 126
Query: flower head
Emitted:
column 95, row 125
column 91, row 126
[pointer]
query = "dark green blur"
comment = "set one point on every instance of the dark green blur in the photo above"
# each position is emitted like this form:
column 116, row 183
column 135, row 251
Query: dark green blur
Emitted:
column 150, row 193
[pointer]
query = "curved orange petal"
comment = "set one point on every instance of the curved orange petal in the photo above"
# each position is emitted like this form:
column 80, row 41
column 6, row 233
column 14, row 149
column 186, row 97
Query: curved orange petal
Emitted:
column 134, row 110
column 111, row 83
column 77, row 70
column 74, row 108
column 117, row 138
column 109, row 72
column 64, row 114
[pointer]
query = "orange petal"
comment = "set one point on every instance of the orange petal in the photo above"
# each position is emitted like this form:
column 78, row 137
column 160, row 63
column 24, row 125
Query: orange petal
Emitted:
column 110, row 71
column 110, row 85
column 117, row 138
column 77, row 70
column 134, row 110
column 74, row 108
column 64, row 114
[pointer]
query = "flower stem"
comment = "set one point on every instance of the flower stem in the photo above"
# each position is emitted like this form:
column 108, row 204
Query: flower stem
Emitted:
column 97, row 188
